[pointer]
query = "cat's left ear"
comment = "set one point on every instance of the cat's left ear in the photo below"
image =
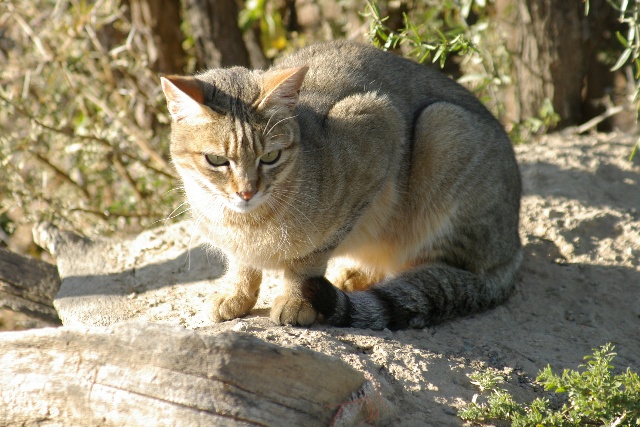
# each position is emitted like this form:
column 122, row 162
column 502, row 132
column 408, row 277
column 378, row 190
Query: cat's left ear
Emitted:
column 282, row 87
column 185, row 97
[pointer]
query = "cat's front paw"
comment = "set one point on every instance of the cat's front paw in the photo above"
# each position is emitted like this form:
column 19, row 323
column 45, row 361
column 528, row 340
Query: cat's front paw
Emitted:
column 292, row 311
column 227, row 307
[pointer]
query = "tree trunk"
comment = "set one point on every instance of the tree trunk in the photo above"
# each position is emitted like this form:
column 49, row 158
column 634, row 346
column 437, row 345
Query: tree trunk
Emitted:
column 218, row 39
column 553, row 46
column 159, row 22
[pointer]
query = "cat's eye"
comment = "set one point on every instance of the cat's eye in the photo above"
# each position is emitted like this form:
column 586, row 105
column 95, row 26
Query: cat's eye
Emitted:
column 216, row 161
column 271, row 157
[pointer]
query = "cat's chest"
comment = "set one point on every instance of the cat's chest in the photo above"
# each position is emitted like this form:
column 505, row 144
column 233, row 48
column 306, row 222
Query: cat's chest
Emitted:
column 263, row 245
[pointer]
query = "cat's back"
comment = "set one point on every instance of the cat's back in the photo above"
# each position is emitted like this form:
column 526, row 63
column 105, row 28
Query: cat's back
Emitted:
column 341, row 68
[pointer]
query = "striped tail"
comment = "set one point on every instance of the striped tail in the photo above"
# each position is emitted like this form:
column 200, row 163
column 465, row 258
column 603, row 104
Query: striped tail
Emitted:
column 417, row 298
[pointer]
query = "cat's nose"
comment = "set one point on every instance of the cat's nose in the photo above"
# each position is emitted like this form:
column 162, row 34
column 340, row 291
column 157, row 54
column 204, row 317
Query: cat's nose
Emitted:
column 246, row 195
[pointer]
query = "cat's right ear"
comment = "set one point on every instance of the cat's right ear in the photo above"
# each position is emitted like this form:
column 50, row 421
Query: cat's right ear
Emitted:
column 282, row 87
column 185, row 96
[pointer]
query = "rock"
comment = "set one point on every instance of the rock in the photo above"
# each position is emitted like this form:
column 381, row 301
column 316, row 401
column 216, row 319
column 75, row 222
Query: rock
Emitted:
column 108, row 281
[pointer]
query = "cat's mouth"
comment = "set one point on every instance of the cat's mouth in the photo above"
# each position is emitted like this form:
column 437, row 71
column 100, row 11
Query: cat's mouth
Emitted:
column 241, row 205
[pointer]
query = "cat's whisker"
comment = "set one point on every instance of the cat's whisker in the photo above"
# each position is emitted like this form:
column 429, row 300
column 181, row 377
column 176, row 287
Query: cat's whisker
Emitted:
column 277, row 206
column 294, row 190
column 272, row 203
column 278, row 122
column 174, row 189
column 296, row 194
column 171, row 216
column 295, row 216
column 271, row 117
column 194, row 225
column 177, row 215
column 164, row 221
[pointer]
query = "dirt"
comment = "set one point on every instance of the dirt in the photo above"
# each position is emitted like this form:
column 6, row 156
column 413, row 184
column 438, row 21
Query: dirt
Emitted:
column 579, row 288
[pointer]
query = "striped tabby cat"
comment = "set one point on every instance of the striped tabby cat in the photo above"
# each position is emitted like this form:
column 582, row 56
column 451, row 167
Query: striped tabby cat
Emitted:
column 342, row 150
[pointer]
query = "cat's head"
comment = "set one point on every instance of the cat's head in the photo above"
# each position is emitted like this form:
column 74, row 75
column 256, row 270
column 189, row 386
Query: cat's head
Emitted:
column 234, row 134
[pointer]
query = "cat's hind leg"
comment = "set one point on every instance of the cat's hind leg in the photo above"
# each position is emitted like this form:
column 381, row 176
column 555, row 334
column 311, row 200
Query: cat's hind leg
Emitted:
column 464, row 190
column 351, row 278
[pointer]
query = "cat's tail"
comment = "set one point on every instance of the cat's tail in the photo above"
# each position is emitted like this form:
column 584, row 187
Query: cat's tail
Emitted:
column 417, row 298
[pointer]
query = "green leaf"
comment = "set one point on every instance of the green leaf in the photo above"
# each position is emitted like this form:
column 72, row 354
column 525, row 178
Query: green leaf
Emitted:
column 634, row 151
column 623, row 41
column 622, row 60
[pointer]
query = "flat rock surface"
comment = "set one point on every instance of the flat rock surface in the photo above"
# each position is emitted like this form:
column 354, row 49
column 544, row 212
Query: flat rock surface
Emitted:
column 579, row 288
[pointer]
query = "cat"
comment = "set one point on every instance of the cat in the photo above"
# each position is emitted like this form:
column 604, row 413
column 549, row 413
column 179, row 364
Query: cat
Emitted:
column 344, row 150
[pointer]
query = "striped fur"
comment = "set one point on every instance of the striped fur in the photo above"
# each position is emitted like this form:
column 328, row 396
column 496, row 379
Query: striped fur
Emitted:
column 378, row 161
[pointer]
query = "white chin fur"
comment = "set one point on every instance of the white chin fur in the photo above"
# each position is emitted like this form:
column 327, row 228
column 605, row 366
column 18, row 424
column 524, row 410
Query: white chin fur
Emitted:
column 242, row 206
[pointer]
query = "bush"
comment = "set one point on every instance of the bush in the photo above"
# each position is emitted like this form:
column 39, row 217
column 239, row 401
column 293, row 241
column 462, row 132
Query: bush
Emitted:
column 593, row 397
column 82, row 122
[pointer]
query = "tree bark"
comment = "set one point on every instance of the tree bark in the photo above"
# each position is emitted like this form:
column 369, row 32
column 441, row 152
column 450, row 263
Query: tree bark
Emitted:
column 153, row 374
column 218, row 39
column 28, row 286
column 159, row 21
column 554, row 47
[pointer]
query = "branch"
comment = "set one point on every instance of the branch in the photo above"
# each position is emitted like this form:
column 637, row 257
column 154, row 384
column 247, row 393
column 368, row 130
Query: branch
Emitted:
column 69, row 133
column 109, row 214
column 611, row 111
column 61, row 174
column 123, row 172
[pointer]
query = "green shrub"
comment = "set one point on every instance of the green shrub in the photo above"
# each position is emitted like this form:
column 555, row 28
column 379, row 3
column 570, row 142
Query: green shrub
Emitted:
column 594, row 397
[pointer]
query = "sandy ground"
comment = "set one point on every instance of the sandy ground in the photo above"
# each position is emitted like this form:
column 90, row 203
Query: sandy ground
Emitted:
column 579, row 288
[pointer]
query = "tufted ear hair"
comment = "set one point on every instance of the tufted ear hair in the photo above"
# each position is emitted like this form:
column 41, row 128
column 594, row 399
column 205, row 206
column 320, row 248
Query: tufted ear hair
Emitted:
column 185, row 97
column 282, row 87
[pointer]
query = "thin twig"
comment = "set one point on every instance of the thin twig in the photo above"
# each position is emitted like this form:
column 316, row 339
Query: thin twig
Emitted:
column 110, row 214
column 124, row 173
column 599, row 119
column 67, row 132
column 104, row 142
column 44, row 50
column 61, row 174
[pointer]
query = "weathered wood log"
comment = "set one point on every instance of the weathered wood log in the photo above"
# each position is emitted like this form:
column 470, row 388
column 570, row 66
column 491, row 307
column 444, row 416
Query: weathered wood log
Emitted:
column 28, row 286
column 137, row 374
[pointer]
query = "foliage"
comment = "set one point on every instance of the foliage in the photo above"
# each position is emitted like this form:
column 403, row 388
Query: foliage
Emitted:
column 628, row 14
column 449, row 31
column 273, row 35
column 593, row 397
column 81, row 117
column 547, row 118
column 427, row 40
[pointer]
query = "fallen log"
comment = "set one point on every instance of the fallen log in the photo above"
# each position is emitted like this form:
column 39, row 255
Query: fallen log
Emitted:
column 28, row 286
column 141, row 374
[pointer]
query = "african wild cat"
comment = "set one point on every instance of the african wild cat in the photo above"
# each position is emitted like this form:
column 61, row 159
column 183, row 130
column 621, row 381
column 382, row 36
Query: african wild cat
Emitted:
column 345, row 150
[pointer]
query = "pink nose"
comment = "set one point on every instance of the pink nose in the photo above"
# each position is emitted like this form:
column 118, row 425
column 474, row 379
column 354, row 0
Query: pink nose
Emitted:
column 246, row 195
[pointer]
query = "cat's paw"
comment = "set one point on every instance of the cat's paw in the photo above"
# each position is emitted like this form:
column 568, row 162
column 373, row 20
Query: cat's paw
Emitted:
column 352, row 279
column 227, row 307
column 292, row 311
